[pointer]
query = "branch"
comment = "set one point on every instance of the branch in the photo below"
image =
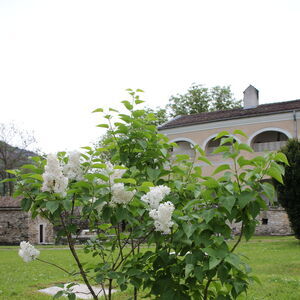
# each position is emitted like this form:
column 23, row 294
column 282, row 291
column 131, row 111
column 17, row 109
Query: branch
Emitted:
column 239, row 239
column 55, row 265
column 74, row 253
column 132, row 250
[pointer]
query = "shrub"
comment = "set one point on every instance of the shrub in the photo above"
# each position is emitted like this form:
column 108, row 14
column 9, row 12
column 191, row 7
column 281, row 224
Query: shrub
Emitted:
column 289, row 191
column 160, row 200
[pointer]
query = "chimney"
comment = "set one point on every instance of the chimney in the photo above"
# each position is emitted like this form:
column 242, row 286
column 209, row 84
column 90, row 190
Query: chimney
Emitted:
column 250, row 97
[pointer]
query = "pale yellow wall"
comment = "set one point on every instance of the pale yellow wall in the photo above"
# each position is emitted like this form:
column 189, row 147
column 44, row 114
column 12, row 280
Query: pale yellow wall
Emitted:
column 199, row 136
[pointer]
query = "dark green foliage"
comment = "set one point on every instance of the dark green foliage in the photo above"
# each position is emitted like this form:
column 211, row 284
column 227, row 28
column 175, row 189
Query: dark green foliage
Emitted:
column 201, row 99
column 289, row 192
column 197, row 99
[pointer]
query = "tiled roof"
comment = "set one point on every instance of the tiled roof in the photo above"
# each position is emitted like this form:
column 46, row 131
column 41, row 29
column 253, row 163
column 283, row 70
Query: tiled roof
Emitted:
column 207, row 117
column 8, row 201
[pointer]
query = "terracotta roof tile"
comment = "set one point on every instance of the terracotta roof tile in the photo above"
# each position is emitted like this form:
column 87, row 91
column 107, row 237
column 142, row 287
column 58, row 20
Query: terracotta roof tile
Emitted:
column 207, row 117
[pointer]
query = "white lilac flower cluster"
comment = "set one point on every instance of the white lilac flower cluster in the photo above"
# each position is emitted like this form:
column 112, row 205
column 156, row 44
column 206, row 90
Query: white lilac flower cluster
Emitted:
column 156, row 195
column 161, row 213
column 56, row 177
column 120, row 195
column 112, row 173
column 54, row 180
column 28, row 252
column 162, row 217
column 72, row 169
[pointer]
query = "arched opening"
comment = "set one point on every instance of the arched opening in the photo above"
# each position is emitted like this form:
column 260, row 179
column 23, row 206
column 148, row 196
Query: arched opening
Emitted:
column 184, row 147
column 213, row 144
column 270, row 140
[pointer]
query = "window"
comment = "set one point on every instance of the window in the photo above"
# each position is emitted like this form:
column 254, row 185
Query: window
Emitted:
column 41, row 233
column 213, row 144
column 184, row 148
column 269, row 141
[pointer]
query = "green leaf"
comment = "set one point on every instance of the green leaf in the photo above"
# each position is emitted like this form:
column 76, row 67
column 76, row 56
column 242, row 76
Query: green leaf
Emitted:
column 208, row 215
column 198, row 273
column 249, row 229
column 221, row 168
column 127, row 104
column 153, row 173
column 58, row 294
column 72, row 296
column 138, row 113
column 30, row 167
column 226, row 140
column 221, row 134
column 188, row 269
column 221, row 149
column 37, row 176
column 275, row 173
column 244, row 162
column 191, row 203
column 67, row 203
column 211, row 183
column 244, row 198
column 98, row 110
column 213, row 262
column 269, row 190
column 245, row 147
column 126, row 180
column 188, row 229
column 98, row 166
column 282, row 158
column 52, row 206
column 104, row 226
column 233, row 259
column 240, row 132
column 26, row 204
column 139, row 101
column 227, row 202
column 103, row 125
column 181, row 157
column 204, row 159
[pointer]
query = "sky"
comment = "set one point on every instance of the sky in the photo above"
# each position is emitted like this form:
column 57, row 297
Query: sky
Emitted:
column 60, row 60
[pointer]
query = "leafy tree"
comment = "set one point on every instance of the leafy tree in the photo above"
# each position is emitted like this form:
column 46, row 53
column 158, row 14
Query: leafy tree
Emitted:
column 222, row 98
column 289, row 191
column 160, row 114
column 14, row 145
column 166, row 203
column 201, row 99
column 197, row 99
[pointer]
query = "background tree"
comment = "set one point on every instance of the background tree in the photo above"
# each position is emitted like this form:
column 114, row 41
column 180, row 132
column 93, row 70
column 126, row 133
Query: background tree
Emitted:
column 201, row 99
column 197, row 99
column 14, row 152
column 289, row 191
column 160, row 114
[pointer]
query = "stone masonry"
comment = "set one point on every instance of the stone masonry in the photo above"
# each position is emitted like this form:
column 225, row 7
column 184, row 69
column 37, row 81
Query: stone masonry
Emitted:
column 271, row 222
column 17, row 225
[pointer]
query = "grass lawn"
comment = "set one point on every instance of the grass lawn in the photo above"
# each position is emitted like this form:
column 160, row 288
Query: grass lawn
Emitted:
column 275, row 260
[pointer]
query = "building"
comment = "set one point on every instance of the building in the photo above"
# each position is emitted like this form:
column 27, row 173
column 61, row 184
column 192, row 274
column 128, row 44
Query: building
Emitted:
column 268, row 127
column 17, row 225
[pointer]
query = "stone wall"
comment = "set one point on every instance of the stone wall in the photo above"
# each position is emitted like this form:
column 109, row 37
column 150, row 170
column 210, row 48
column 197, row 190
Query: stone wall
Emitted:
column 34, row 231
column 13, row 226
column 17, row 225
column 271, row 222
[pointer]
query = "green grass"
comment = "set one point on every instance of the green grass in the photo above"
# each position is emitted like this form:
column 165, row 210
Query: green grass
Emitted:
column 275, row 260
